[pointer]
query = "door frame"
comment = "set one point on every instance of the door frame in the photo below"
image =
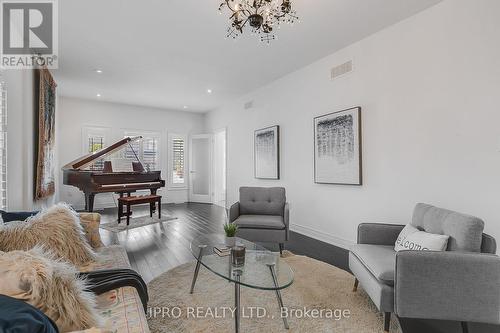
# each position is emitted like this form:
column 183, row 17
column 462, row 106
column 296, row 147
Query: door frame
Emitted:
column 200, row 198
column 224, row 129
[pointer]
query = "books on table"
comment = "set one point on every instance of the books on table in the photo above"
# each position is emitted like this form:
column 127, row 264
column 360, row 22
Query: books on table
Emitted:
column 222, row 250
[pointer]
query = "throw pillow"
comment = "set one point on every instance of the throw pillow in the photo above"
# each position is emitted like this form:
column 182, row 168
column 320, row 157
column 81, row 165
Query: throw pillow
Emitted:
column 50, row 285
column 410, row 238
column 57, row 228
column 19, row 316
column 15, row 216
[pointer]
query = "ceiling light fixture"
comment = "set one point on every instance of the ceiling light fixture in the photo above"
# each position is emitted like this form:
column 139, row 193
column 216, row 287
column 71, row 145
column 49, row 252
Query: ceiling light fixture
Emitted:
column 262, row 16
column 98, row 71
column 98, row 95
column 185, row 107
column 209, row 91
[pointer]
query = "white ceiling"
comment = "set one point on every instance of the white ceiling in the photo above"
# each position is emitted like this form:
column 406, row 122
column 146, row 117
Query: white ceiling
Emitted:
column 167, row 53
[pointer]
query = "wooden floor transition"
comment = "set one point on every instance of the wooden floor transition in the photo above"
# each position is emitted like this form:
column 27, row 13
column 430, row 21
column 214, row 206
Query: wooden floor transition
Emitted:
column 155, row 249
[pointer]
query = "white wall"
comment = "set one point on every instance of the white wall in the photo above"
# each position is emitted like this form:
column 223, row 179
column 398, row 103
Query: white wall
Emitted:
column 429, row 88
column 21, row 141
column 76, row 114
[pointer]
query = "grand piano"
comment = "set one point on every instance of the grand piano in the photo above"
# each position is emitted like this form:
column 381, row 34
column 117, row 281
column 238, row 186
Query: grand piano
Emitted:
column 92, row 182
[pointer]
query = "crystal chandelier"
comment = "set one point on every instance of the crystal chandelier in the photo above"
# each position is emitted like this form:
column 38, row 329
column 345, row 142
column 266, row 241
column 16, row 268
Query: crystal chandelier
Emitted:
column 263, row 16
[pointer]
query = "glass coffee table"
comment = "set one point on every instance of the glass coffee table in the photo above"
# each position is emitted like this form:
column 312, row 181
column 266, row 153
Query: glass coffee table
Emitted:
column 262, row 269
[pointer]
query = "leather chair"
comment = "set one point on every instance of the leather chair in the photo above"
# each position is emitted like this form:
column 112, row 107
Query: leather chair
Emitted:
column 459, row 284
column 262, row 215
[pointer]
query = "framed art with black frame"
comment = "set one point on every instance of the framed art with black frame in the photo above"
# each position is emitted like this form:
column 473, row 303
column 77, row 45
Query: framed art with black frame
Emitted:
column 337, row 148
column 267, row 153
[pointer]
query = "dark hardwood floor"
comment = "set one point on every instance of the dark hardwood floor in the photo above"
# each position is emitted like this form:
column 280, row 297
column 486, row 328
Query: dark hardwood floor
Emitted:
column 155, row 249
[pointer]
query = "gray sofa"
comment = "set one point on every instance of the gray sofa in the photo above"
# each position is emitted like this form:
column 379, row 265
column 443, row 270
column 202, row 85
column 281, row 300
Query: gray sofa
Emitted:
column 262, row 215
column 461, row 284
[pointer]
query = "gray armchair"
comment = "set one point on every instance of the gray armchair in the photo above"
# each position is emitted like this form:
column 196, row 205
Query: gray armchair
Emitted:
column 262, row 215
column 461, row 284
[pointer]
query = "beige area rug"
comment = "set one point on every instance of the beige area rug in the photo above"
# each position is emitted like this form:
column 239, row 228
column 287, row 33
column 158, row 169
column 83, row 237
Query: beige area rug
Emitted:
column 135, row 222
column 317, row 285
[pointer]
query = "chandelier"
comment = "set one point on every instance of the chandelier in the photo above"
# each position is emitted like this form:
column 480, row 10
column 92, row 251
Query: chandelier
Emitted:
column 263, row 16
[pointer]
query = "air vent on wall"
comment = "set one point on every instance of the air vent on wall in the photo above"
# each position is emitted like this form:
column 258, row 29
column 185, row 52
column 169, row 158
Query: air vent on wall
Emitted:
column 248, row 105
column 341, row 69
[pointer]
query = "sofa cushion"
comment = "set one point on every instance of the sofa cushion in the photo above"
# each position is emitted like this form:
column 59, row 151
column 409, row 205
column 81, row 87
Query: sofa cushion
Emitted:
column 380, row 260
column 262, row 201
column 260, row 222
column 465, row 231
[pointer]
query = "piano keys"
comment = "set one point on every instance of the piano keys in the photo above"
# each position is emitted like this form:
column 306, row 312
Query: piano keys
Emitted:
column 92, row 182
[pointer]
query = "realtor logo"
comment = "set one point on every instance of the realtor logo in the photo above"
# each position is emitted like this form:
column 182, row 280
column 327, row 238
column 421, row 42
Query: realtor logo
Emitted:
column 29, row 34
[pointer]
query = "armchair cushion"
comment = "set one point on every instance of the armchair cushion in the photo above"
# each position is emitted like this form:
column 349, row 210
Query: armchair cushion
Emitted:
column 234, row 211
column 488, row 244
column 380, row 260
column 260, row 222
column 465, row 231
column 262, row 201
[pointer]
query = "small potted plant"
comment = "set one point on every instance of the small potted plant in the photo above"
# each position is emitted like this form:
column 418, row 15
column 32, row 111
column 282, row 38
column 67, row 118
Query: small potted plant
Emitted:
column 230, row 230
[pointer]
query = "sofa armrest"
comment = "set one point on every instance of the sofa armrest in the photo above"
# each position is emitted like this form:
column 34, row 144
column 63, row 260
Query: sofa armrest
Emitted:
column 90, row 223
column 286, row 215
column 378, row 233
column 92, row 330
column 234, row 212
column 448, row 285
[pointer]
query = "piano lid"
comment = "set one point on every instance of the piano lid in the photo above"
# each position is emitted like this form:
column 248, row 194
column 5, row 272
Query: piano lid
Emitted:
column 84, row 161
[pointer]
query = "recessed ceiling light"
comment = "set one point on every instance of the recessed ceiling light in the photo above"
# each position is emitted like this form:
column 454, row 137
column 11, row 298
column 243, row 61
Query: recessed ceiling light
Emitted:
column 98, row 71
column 209, row 91
column 185, row 107
column 98, row 95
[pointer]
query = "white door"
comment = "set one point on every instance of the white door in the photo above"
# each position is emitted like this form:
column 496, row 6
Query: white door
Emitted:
column 200, row 168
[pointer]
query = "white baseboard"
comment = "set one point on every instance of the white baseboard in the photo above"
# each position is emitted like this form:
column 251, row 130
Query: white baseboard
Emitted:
column 321, row 235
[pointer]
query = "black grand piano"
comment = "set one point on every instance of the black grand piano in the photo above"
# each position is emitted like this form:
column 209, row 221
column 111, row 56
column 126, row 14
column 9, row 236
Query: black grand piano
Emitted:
column 92, row 182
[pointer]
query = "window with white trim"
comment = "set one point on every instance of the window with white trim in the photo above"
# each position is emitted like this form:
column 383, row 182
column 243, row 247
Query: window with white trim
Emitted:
column 95, row 143
column 146, row 149
column 3, row 145
column 95, row 138
column 177, row 160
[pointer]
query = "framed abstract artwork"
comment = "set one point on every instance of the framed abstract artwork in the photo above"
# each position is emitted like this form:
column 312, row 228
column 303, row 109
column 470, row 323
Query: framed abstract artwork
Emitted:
column 337, row 148
column 267, row 153
column 45, row 134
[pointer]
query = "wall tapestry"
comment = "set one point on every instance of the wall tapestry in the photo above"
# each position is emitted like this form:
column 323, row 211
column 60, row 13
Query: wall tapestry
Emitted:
column 45, row 142
column 266, row 153
column 337, row 148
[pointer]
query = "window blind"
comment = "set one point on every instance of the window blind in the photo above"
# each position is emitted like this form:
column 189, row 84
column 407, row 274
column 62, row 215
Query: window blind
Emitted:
column 146, row 150
column 3, row 145
column 178, row 161
column 150, row 153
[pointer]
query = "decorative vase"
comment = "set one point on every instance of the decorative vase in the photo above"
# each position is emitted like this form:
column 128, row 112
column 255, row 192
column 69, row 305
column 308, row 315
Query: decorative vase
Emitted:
column 230, row 241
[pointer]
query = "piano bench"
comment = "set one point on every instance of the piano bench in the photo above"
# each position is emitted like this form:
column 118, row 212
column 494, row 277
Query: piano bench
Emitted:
column 138, row 200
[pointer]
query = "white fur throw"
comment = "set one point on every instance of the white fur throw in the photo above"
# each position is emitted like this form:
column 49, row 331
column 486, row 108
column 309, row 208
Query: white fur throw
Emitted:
column 57, row 228
column 50, row 285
